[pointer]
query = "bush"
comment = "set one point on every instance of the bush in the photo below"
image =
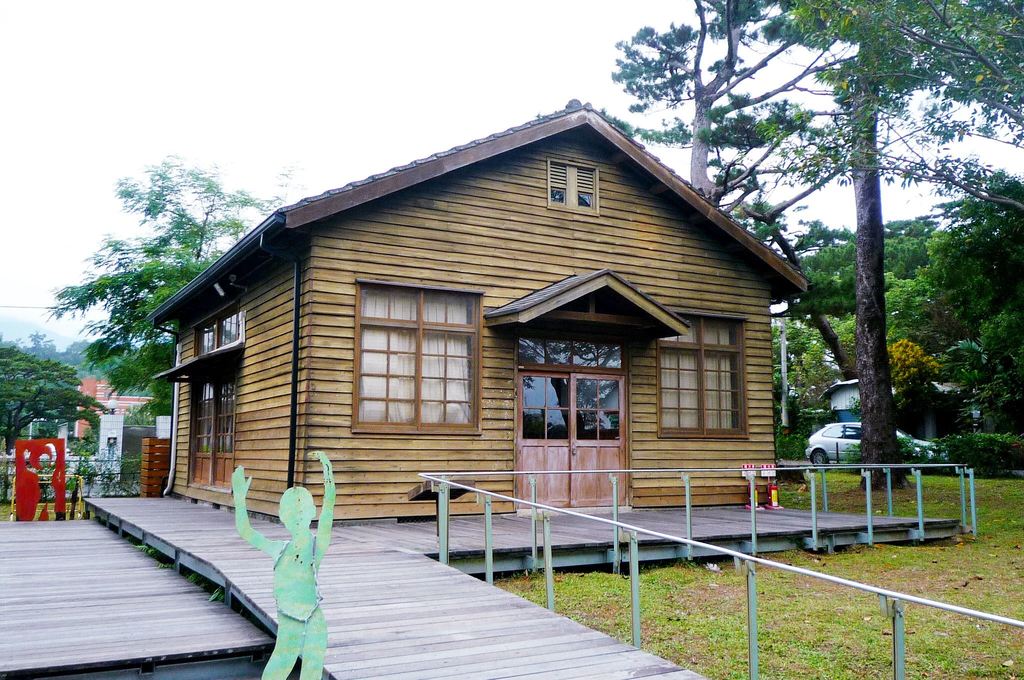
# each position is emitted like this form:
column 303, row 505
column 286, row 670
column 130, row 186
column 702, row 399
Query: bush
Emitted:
column 790, row 446
column 909, row 453
column 988, row 454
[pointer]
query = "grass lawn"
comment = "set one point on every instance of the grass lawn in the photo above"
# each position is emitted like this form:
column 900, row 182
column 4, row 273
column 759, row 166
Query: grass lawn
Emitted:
column 810, row 629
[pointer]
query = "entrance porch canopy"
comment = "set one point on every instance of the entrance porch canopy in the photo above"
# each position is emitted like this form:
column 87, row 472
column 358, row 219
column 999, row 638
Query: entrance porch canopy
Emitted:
column 600, row 298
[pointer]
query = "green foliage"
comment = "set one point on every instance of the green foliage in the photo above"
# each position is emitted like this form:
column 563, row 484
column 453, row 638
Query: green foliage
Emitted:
column 971, row 52
column 914, row 373
column 33, row 389
column 917, row 312
column 139, row 416
column 988, row 454
column 959, row 62
column 908, row 453
column 828, row 257
column 827, row 260
column 976, row 265
column 41, row 346
column 190, row 219
column 740, row 117
column 790, row 446
column 811, row 371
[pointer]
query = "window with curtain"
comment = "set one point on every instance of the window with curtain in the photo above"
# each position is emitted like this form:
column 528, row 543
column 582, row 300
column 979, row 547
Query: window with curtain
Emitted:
column 417, row 353
column 701, row 389
column 219, row 331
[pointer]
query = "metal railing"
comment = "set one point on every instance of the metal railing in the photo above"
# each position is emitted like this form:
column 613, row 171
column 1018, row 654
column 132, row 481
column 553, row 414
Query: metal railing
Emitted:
column 101, row 475
column 811, row 473
column 892, row 603
column 111, row 476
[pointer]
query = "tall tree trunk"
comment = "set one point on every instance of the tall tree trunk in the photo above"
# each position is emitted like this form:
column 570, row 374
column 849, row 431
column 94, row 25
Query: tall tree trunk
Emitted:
column 878, row 442
column 700, row 151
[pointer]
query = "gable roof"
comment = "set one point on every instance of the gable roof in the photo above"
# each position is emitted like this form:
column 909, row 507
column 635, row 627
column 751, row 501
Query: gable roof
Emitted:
column 550, row 298
column 312, row 209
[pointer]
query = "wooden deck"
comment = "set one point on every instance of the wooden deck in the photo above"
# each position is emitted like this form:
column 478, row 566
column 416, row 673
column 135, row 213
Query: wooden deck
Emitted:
column 392, row 612
column 577, row 542
column 73, row 597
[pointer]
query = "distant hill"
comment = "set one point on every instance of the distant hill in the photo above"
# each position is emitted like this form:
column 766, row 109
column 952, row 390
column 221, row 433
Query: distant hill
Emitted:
column 41, row 345
column 20, row 330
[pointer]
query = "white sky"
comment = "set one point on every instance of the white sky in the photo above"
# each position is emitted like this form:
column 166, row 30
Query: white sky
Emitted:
column 95, row 91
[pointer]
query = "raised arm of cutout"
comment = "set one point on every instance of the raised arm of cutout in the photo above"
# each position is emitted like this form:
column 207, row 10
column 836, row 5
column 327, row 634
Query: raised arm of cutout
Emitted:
column 240, row 488
column 323, row 529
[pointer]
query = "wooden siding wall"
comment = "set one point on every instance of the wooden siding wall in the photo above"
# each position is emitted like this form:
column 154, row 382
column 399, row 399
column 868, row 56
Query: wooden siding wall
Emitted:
column 263, row 400
column 489, row 227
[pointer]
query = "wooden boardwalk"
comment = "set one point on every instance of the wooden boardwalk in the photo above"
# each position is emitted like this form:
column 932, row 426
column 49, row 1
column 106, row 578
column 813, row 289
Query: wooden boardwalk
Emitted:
column 72, row 596
column 725, row 525
column 576, row 541
column 392, row 612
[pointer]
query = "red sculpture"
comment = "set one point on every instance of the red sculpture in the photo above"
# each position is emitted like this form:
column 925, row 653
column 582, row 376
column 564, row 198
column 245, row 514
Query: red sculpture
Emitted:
column 34, row 459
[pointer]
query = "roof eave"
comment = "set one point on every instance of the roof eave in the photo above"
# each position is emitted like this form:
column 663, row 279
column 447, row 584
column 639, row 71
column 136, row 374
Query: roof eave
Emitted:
column 249, row 244
column 587, row 284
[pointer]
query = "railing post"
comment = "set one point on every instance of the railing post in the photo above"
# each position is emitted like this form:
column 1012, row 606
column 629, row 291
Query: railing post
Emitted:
column 888, row 490
column 549, row 573
column 752, row 661
column 867, row 498
column 894, row 609
column 689, row 515
column 442, row 522
column 963, row 500
column 974, row 504
column 616, row 548
column 533, row 522
column 753, row 515
column 920, row 504
column 488, row 542
column 634, row 586
column 812, row 480
column 824, row 492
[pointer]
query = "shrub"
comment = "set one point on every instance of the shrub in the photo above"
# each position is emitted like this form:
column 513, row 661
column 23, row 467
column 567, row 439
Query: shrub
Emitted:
column 909, row 453
column 988, row 454
column 790, row 446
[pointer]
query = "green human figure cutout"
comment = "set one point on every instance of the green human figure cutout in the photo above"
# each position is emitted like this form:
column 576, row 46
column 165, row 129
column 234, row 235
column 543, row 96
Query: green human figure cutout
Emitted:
column 301, row 627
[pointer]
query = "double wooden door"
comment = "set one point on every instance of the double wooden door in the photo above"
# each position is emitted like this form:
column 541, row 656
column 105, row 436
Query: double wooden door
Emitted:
column 571, row 422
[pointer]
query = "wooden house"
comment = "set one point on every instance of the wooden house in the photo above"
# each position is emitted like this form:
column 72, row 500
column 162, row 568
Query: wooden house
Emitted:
column 549, row 297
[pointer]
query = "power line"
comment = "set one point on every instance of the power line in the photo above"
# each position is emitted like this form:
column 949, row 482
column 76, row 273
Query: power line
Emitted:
column 22, row 307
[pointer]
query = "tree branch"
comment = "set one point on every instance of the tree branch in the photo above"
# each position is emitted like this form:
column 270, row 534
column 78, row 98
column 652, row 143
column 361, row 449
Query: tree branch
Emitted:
column 788, row 85
column 698, row 56
column 747, row 73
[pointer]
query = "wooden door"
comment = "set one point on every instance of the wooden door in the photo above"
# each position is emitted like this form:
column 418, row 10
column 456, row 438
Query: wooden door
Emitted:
column 204, row 404
column 213, row 439
column 543, row 435
column 570, row 422
column 597, row 438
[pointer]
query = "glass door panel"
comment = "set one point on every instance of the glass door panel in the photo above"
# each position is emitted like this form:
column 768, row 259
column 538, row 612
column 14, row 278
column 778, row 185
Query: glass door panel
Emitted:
column 571, row 422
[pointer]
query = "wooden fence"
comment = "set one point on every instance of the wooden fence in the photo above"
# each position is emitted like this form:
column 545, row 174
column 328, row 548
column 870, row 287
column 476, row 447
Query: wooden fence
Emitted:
column 156, row 464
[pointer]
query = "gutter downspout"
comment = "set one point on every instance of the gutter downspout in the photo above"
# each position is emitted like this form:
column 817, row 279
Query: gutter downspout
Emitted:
column 174, row 424
column 293, row 413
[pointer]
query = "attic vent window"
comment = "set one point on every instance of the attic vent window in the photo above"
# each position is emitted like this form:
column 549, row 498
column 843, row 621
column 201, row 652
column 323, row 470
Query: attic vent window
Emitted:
column 572, row 186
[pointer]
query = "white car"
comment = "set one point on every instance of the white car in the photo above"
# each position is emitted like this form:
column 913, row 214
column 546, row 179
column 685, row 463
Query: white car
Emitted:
column 831, row 444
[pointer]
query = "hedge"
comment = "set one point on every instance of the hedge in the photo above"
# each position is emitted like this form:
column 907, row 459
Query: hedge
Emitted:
column 988, row 454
